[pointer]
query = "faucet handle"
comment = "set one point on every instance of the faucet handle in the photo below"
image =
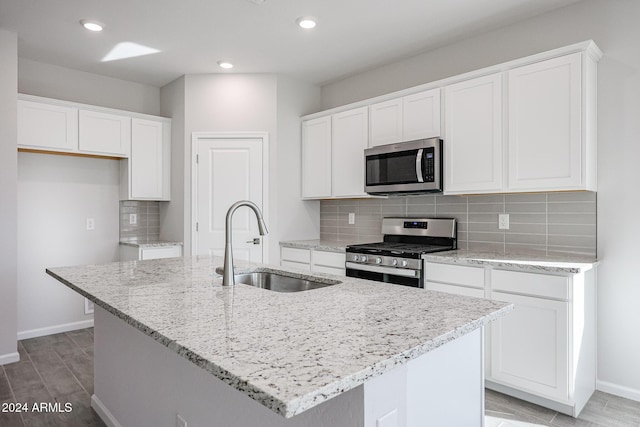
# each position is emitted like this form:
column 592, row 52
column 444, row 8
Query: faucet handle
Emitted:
column 255, row 241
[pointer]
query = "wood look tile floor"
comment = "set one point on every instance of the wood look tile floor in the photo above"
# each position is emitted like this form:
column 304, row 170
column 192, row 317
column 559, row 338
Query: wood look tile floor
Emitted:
column 59, row 369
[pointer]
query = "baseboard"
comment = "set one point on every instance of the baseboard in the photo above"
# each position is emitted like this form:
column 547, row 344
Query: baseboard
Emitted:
column 5, row 359
column 105, row 415
column 618, row 390
column 56, row 329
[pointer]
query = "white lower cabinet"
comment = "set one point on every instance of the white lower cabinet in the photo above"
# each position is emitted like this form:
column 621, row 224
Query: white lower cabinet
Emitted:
column 544, row 351
column 529, row 347
column 135, row 253
column 313, row 260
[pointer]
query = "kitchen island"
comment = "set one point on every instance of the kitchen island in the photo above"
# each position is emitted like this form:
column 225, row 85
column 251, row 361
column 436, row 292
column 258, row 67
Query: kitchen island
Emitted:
column 171, row 341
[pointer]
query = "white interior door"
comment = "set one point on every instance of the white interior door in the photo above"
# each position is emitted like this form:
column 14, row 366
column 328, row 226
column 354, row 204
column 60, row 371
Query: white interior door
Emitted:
column 229, row 170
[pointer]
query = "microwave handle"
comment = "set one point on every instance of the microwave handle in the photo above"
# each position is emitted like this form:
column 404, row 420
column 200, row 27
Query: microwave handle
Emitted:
column 419, row 173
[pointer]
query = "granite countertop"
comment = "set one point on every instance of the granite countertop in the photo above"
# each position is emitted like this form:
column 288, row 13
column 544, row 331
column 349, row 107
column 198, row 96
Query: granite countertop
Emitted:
column 532, row 262
column 318, row 244
column 288, row 351
column 150, row 243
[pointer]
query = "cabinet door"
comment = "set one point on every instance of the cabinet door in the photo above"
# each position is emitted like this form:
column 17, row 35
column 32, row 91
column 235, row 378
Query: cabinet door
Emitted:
column 47, row 127
column 316, row 158
column 385, row 122
column 453, row 289
column 545, row 140
column 473, row 135
column 421, row 115
column 529, row 347
column 349, row 140
column 146, row 159
column 103, row 133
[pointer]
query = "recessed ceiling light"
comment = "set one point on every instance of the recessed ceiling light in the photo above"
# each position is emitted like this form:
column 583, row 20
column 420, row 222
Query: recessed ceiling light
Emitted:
column 307, row 22
column 225, row 64
column 92, row 25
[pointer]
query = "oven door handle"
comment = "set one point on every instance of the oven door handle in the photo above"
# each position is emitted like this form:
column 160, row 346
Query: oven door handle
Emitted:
column 385, row 270
column 419, row 173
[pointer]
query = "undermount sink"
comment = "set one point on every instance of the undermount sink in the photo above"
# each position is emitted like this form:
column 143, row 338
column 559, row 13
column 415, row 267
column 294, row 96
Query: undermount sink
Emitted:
column 279, row 283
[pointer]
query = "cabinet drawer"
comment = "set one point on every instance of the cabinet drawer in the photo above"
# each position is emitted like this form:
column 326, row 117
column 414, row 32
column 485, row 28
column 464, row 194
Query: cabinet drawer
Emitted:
column 543, row 285
column 329, row 259
column 329, row 270
column 296, row 255
column 296, row 265
column 161, row 252
column 453, row 289
column 456, row 274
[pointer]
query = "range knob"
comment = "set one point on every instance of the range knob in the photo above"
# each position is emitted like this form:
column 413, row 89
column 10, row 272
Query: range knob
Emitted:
column 356, row 258
column 378, row 260
column 404, row 263
column 364, row 258
column 394, row 262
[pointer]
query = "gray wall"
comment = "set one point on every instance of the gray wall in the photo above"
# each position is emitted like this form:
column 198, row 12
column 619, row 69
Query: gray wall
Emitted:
column 239, row 103
column 548, row 223
column 8, row 179
column 52, row 81
column 56, row 194
column 613, row 25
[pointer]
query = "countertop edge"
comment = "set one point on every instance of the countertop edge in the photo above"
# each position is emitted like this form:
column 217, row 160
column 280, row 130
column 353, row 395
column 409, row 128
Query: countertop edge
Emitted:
column 526, row 265
column 151, row 244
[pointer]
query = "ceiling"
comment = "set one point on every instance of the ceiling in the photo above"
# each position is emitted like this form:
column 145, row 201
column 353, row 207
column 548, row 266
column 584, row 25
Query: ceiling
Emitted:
column 192, row 35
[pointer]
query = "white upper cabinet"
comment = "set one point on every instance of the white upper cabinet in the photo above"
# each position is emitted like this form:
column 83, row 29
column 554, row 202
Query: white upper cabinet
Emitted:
column 546, row 144
column 473, row 135
column 104, row 133
column 421, row 115
column 145, row 175
column 528, row 125
column 385, row 121
column 49, row 127
column 349, row 138
column 316, row 158
column 408, row 118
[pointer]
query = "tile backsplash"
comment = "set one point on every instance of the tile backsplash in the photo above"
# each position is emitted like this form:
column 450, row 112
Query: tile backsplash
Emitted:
column 147, row 228
column 547, row 222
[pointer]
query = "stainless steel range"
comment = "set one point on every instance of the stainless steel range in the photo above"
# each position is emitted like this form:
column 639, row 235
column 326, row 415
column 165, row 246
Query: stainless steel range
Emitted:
column 397, row 259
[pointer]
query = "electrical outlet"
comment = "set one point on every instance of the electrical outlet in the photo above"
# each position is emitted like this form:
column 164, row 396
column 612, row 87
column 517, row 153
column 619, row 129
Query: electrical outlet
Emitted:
column 133, row 219
column 180, row 422
column 352, row 218
column 91, row 224
column 503, row 221
column 88, row 306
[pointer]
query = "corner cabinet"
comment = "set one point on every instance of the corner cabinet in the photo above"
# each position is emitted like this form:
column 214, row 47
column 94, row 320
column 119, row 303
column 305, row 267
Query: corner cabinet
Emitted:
column 316, row 158
column 145, row 175
column 332, row 155
column 473, row 135
column 349, row 138
column 545, row 350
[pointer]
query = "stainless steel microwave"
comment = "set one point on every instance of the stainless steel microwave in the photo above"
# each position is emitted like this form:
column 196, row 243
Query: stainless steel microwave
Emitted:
column 404, row 168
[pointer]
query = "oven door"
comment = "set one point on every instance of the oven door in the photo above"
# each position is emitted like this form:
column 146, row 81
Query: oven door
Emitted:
column 398, row 276
column 404, row 168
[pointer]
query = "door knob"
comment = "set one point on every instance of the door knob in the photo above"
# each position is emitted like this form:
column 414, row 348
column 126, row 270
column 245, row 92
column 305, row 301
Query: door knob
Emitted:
column 255, row 241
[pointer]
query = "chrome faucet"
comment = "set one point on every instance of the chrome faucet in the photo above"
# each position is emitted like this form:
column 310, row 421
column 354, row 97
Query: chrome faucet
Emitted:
column 228, row 278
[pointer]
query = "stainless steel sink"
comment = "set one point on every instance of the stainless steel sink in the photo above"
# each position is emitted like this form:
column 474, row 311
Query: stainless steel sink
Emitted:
column 279, row 283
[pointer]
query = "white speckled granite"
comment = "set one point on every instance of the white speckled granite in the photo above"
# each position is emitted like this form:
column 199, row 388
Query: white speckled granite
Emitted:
column 151, row 244
column 320, row 245
column 288, row 351
column 531, row 262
